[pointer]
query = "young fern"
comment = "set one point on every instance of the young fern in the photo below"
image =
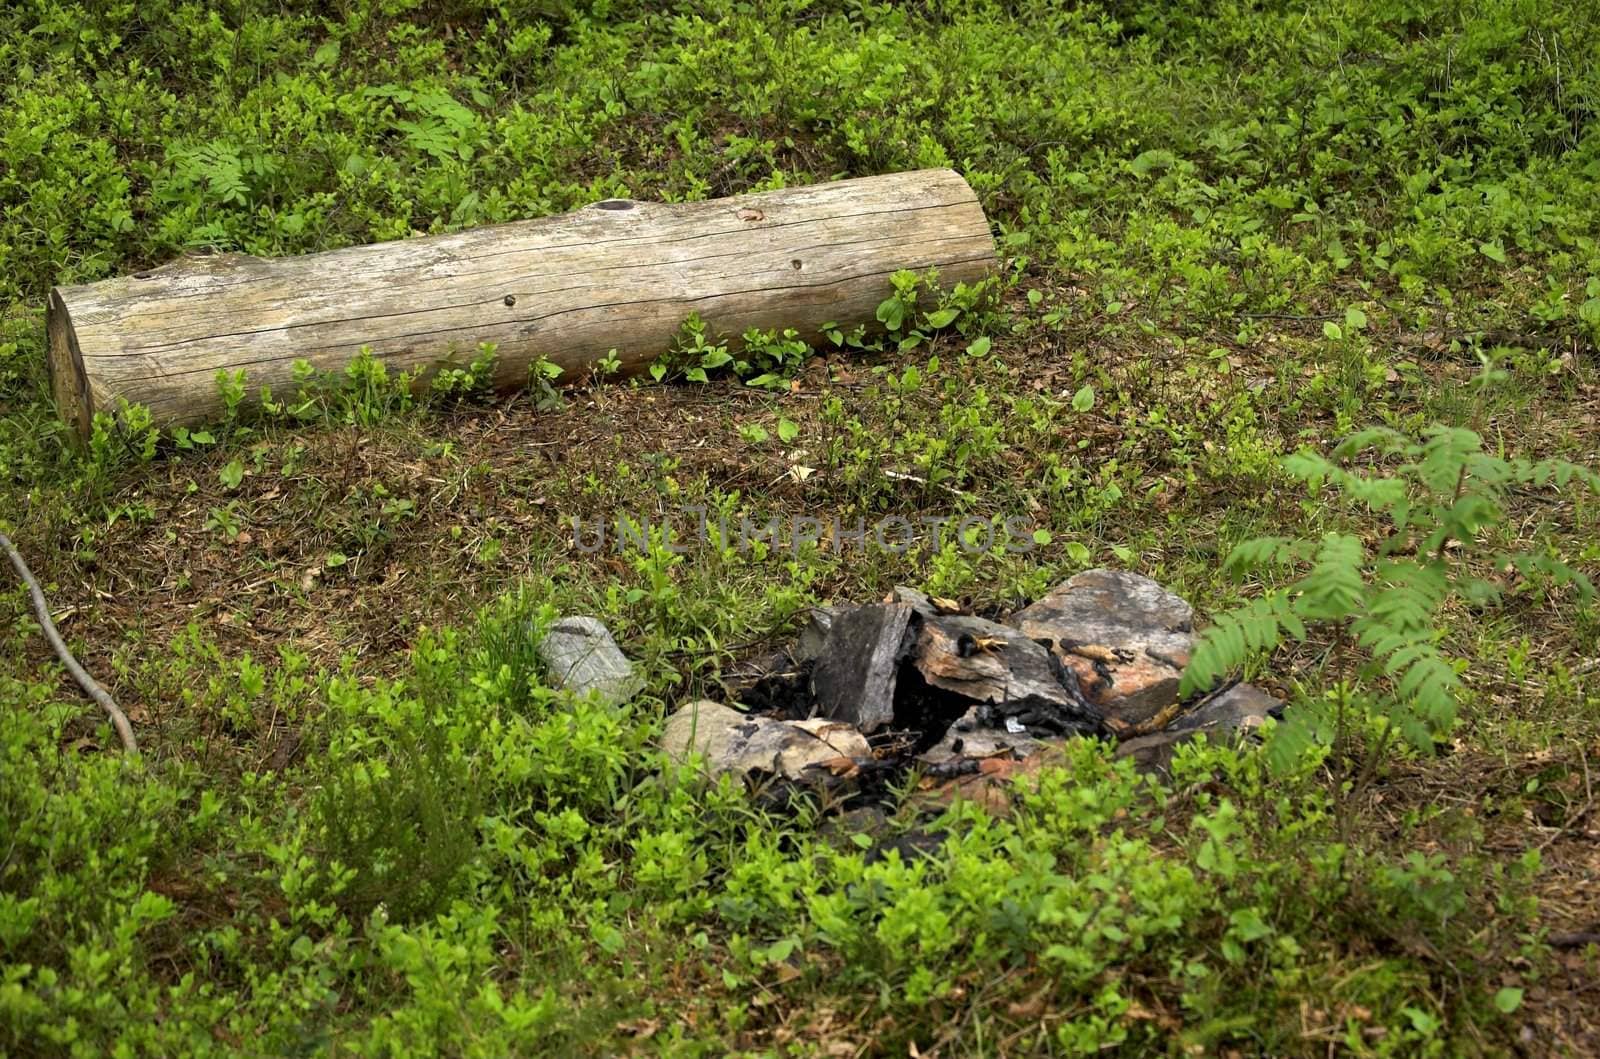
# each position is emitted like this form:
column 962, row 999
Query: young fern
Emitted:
column 1381, row 605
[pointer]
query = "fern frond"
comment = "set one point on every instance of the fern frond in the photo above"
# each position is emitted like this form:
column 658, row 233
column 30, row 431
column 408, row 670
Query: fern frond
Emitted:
column 1378, row 493
column 1490, row 470
column 1431, row 686
column 1237, row 636
column 1444, row 455
column 1559, row 573
column 1558, row 471
column 1262, row 552
column 1309, row 467
column 1405, row 598
column 1387, row 441
column 1333, row 589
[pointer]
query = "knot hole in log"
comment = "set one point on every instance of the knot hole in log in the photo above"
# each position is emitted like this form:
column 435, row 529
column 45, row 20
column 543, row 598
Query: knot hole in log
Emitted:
column 614, row 204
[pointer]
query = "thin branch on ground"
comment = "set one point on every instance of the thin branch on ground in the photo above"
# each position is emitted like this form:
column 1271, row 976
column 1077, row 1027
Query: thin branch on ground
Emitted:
column 41, row 610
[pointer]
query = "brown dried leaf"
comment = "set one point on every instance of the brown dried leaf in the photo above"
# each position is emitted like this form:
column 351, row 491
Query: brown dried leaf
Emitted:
column 1094, row 652
column 641, row 1029
column 841, row 766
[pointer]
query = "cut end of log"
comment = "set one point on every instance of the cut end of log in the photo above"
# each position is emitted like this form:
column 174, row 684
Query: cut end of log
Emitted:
column 69, row 383
column 612, row 282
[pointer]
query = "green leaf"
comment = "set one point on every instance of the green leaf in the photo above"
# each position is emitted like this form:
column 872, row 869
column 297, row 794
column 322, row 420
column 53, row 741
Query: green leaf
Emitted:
column 1041, row 536
column 780, row 950
column 1354, row 318
column 1083, row 400
column 787, row 430
column 891, row 313
column 232, row 474
column 1332, row 331
column 942, row 318
column 1493, row 251
column 1150, row 161
column 980, row 347
column 1508, row 999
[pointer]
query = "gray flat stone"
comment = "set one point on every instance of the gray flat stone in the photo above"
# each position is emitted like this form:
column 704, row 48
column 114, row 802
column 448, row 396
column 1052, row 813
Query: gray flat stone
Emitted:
column 919, row 601
column 1127, row 638
column 580, row 655
column 1241, row 706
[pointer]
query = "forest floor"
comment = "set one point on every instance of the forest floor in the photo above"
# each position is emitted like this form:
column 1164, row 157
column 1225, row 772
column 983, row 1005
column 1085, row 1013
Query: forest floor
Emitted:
column 362, row 823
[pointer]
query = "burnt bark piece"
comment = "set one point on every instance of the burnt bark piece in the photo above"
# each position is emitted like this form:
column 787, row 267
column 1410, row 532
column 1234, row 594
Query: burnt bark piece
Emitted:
column 1015, row 682
column 1232, row 714
column 984, row 660
column 854, row 679
column 967, row 740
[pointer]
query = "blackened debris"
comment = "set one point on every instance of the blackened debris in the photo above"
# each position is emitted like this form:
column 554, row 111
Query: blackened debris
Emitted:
column 784, row 693
column 854, row 679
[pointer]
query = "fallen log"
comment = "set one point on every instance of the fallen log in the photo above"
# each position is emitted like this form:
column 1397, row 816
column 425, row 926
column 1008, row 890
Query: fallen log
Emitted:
column 618, row 274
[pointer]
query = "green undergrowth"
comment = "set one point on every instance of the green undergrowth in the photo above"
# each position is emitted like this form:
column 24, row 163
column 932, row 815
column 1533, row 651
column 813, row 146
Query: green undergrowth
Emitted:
column 467, row 856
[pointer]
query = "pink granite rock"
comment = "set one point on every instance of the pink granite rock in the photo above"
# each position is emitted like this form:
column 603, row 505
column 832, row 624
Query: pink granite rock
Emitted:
column 1127, row 639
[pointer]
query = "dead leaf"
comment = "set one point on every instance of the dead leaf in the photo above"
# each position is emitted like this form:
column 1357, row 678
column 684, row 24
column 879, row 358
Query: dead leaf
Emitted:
column 841, row 766
column 1028, row 1009
column 1094, row 652
column 641, row 1029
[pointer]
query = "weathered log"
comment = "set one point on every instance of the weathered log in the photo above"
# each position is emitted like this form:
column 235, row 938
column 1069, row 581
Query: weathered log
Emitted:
column 617, row 275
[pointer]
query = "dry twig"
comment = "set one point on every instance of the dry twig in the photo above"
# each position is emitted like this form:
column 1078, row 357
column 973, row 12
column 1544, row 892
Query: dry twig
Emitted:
column 41, row 609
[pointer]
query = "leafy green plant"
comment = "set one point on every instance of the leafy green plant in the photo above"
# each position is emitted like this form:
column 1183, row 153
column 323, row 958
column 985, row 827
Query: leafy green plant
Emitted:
column 542, row 377
column 475, row 378
column 1381, row 604
column 399, row 806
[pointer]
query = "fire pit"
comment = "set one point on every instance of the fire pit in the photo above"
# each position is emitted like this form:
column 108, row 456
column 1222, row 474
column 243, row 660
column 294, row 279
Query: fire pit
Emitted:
column 871, row 693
